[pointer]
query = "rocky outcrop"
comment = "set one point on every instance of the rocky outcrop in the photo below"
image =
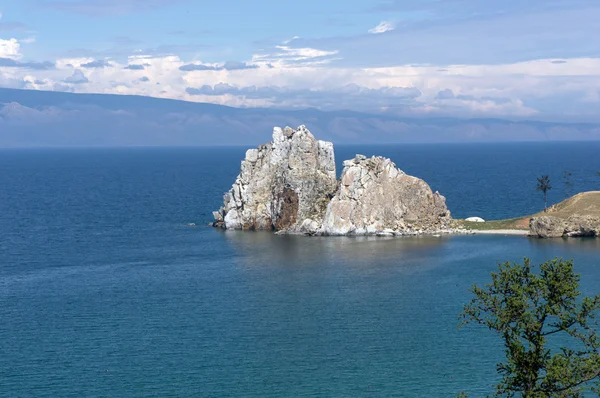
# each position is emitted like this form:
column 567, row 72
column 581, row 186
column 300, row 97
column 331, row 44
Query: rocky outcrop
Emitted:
column 289, row 186
column 547, row 227
column 375, row 197
column 555, row 227
column 281, row 184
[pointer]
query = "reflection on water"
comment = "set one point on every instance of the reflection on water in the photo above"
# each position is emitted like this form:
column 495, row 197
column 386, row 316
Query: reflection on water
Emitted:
column 269, row 248
column 100, row 273
column 570, row 244
column 404, row 255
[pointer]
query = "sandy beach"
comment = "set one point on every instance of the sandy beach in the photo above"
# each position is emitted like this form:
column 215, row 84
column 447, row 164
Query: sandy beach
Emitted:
column 522, row 232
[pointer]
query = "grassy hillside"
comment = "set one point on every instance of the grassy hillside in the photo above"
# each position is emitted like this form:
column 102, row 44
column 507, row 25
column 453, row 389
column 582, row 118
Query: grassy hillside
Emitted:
column 584, row 203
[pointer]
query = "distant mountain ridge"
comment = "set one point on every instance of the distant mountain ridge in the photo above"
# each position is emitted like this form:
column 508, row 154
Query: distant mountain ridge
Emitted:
column 30, row 118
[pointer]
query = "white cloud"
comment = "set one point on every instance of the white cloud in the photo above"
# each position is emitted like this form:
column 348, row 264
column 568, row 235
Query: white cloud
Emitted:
column 304, row 76
column 511, row 90
column 291, row 40
column 384, row 26
column 10, row 49
column 478, row 106
column 303, row 56
column 77, row 78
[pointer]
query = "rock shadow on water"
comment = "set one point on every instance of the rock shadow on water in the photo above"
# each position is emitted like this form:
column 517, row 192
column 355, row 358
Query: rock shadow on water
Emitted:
column 584, row 244
column 263, row 247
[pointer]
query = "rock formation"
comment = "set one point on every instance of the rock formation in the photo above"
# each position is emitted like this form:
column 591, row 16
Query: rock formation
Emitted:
column 555, row 227
column 375, row 197
column 289, row 185
column 281, row 184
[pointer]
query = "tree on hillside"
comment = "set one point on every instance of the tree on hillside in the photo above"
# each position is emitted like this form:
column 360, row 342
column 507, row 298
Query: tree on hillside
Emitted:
column 528, row 309
column 568, row 183
column 544, row 185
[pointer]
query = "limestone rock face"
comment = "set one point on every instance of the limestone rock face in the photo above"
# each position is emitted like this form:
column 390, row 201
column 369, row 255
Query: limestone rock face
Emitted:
column 583, row 226
column 376, row 198
column 284, row 185
column 547, row 227
column 289, row 185
column 574, row 226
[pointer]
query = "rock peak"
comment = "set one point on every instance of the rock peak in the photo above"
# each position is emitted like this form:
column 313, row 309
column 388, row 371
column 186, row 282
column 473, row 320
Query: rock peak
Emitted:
column 288, row 132
column 281, row 184
column 289, row 185
column 375, row 197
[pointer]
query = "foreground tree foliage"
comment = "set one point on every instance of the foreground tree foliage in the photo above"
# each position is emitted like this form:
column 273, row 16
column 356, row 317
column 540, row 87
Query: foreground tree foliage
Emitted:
column 528, row 308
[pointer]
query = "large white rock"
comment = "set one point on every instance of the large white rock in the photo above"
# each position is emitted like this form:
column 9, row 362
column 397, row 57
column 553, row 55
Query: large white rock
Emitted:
column 376, row 198
column 281, row 185
column 289, row 185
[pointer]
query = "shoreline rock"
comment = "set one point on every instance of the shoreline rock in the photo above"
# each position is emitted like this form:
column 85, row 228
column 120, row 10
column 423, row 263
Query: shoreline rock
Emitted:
column 289, row 186
column 555, row 227
column 374, row 197
column 281, row 185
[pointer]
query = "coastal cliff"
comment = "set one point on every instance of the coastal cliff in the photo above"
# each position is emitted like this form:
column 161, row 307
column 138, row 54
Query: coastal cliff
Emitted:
column 555, row 227
column 577, row 216
column 281, row 185
column 289, row 185
column 375, row 197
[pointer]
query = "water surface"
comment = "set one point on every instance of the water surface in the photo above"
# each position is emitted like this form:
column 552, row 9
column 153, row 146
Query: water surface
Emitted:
column 104, row 290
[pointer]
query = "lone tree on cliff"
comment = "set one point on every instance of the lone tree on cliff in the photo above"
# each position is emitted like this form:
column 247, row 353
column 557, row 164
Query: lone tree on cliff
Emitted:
column 544, row 185
column 568, row 183
column 527, row 309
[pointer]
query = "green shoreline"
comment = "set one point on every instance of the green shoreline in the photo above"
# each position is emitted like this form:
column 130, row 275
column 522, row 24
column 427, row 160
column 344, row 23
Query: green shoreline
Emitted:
column 511, row 223
column 584, row 203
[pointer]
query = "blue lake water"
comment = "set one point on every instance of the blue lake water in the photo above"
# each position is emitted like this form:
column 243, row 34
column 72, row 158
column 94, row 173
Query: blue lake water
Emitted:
column 104, row 290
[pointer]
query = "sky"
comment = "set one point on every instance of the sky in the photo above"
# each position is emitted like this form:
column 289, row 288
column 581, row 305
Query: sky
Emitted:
column 535, row 59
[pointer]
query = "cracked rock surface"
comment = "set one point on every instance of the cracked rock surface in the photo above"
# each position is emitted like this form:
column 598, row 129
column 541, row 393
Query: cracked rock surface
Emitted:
column 375, row 197
column 281, row 185
column 555, row 227
column 289, row 185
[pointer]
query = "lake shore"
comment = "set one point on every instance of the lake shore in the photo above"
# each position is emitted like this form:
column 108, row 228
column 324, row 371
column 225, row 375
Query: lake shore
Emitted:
column 521, row 232
column 581, row 204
